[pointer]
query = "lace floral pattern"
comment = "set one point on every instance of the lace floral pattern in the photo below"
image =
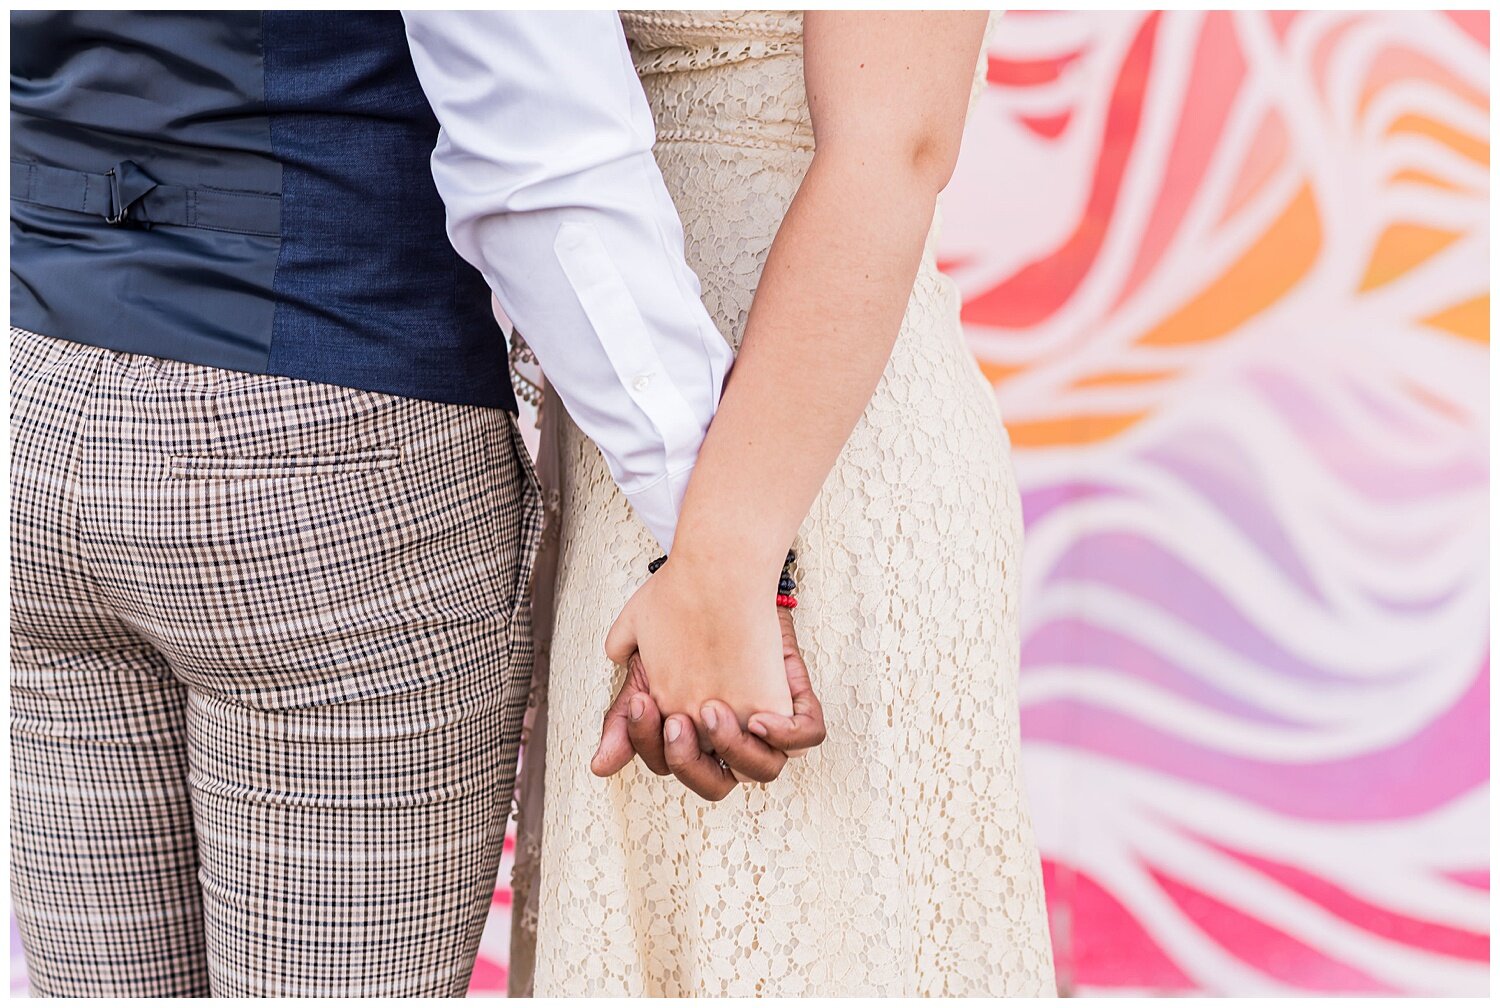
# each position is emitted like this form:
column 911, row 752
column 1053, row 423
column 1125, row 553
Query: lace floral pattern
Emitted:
column 897, row 858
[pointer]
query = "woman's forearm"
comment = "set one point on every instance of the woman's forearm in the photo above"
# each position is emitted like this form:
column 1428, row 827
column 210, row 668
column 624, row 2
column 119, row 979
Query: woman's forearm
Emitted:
column 825, row 317
column 887, row 92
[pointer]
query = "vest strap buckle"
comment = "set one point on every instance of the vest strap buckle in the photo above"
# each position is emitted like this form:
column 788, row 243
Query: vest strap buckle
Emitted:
column 127, row 184
column 126, row 196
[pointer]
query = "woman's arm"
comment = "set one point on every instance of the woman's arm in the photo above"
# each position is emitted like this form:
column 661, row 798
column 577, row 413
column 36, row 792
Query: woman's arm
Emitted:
column 888, row 93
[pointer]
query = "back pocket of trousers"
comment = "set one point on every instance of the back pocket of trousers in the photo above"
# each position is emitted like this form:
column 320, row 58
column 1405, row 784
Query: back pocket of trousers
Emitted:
column 289, row 467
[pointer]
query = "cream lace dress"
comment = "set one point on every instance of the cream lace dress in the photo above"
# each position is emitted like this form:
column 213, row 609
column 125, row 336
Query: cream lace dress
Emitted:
column 897, row 858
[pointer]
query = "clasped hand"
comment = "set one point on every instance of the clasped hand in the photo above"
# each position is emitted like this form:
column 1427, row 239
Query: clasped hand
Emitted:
column 715, row 692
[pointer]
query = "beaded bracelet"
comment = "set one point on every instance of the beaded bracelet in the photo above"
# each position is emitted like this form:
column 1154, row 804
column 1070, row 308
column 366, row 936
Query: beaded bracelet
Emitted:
column 784, row 588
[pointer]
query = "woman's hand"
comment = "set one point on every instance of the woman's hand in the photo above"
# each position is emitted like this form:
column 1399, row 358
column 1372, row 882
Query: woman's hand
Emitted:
column 702, row 639
column 633, row 726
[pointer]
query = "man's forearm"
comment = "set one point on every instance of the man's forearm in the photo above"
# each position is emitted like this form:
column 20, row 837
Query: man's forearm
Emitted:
column 544, row 161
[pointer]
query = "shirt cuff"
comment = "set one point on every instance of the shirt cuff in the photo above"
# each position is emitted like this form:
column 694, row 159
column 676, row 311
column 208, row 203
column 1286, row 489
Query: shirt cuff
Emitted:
column 658, row 503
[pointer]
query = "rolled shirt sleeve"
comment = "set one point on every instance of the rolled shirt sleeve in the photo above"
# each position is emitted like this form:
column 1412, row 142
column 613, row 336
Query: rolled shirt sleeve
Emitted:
column 544, row 163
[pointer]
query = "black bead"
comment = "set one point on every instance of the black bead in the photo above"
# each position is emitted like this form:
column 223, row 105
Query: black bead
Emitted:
column 787, row 585
column 655, row 565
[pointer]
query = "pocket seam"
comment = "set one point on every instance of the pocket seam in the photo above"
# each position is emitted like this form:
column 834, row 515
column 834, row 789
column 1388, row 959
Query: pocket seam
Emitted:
column 284, row 467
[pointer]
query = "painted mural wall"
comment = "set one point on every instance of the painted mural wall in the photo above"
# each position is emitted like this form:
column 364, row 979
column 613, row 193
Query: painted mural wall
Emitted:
column 1229, row 275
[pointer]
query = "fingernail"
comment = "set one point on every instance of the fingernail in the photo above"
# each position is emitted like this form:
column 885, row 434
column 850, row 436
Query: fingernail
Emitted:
column 637, row 708
column 710, row 718
column 758, row 728
column 674, row 729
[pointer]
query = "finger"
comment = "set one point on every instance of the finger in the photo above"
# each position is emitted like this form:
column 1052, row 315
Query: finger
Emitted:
column 793, row 735
column 748, row 757
column 619, row 643
column 805, row 728
column 786, row 734
column 615, row 750
column 699, row 771
column 643, row 724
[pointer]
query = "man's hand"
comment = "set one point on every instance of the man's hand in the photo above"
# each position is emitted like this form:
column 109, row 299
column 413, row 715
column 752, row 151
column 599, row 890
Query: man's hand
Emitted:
column 633, row 725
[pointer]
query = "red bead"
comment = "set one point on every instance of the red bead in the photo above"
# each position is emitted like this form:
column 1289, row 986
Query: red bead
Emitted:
column 786, row 601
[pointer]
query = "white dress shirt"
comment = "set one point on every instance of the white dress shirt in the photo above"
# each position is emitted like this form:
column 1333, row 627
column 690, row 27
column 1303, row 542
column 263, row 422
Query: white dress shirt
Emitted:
column 544, row 162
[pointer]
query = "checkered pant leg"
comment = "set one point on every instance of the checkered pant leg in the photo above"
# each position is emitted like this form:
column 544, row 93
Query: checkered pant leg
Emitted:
column 270, row 650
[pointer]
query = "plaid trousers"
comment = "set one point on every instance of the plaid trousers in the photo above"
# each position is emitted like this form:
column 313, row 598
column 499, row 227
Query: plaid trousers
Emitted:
column 270, row 648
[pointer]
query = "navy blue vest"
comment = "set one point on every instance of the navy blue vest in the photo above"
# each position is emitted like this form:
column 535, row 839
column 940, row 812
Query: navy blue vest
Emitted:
column 249, row 190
